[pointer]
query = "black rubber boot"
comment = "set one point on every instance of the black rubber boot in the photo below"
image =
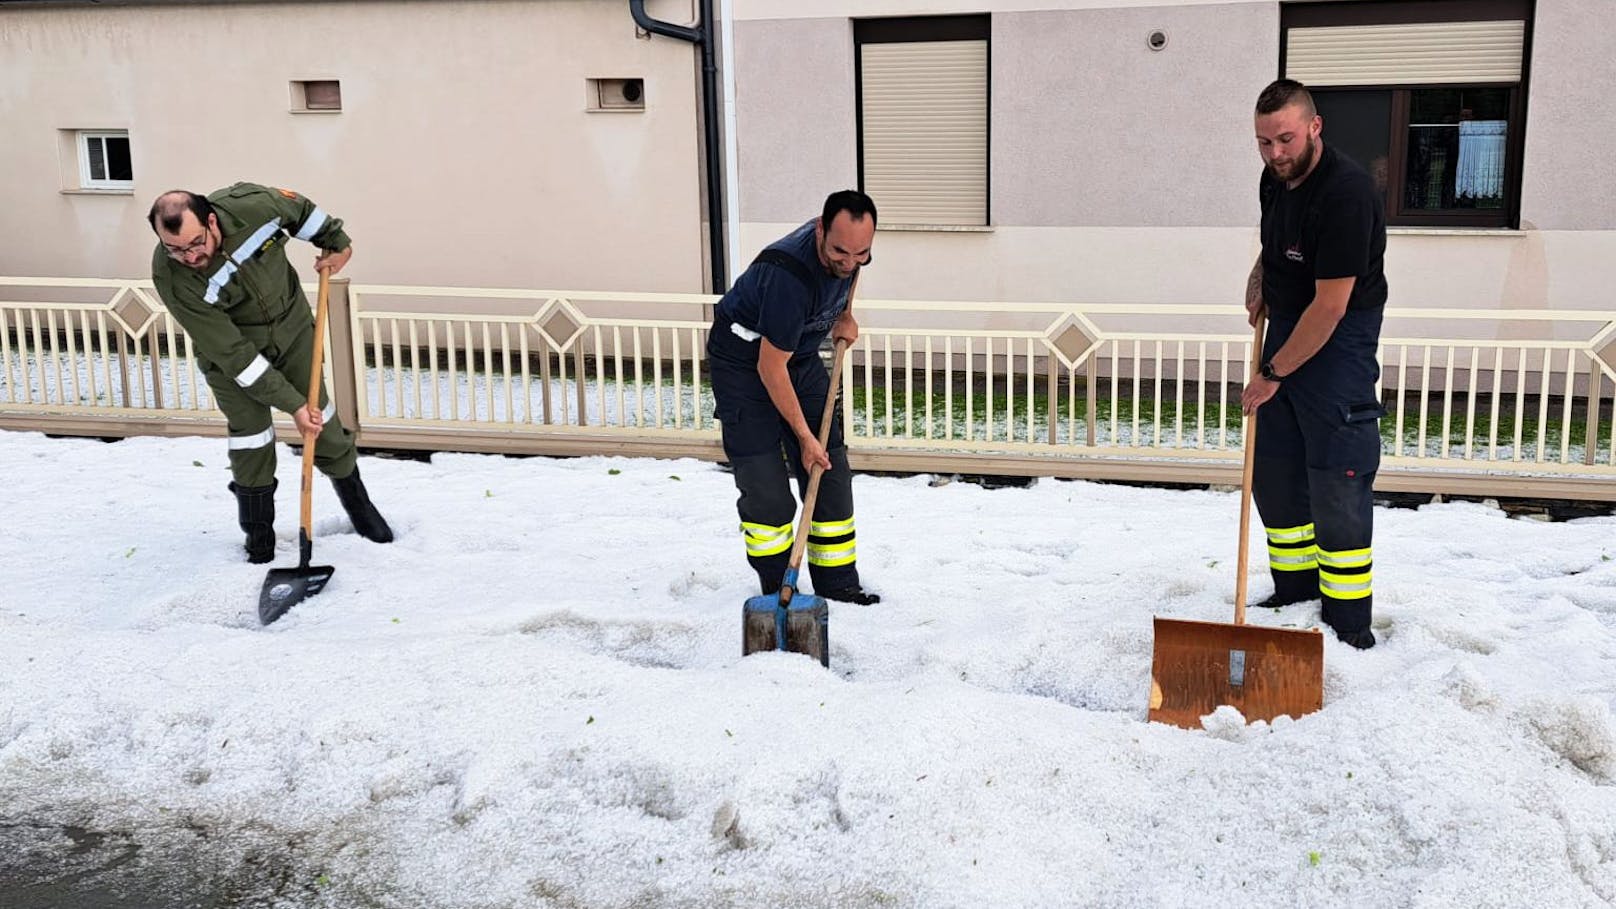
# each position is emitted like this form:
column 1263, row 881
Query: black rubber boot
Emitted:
column 1363, row 638
column 367, row 521
column 255, row 509
column 1279, row 600
column 1350, row 620
column 855, row 595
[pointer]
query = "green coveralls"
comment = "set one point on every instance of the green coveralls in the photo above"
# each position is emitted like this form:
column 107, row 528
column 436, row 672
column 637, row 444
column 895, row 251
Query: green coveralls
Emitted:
column 251, row 326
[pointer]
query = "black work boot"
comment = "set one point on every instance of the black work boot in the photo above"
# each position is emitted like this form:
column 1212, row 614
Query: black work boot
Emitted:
column 1350, row 620
column 255, row 509
column 1363, row 638
column 367, row 521
column 858, row 596
column 1278, row 600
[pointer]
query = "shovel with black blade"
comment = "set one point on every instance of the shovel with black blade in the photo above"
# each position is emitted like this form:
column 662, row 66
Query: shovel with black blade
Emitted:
column 287, row 587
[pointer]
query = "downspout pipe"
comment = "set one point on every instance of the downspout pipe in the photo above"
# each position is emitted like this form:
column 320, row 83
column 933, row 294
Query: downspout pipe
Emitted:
column 701, row 36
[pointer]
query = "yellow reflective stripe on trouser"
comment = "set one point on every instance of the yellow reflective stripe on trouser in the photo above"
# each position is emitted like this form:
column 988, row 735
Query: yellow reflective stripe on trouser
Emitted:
column 1346, row 558
column 1347, row 574
column 831, row 555
column 1291, row 548
column 831, row 543
column 1301, row 534
column 763, row 540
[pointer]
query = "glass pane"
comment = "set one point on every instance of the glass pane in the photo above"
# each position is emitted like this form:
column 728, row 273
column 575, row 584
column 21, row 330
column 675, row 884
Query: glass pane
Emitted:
column 322, row 95
column 1457, row 139
column 118, row 167
column 1358, row 123
column 98, row 158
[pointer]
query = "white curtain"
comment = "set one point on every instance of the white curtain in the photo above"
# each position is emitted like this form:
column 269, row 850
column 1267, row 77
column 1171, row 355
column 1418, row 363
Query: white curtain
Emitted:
column 1481, row 158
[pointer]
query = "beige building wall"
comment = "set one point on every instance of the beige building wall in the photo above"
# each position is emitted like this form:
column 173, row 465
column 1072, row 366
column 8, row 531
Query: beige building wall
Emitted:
column 464, row 153
column 1120, row 175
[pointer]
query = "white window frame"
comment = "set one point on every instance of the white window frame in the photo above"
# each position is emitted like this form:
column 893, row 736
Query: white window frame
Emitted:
column 86, row 181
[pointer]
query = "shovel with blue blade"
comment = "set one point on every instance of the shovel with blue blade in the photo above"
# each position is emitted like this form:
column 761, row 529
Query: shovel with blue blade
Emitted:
column 792, row 620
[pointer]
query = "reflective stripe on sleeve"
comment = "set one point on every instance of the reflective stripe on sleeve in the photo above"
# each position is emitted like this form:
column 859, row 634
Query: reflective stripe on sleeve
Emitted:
column 312, row 226
column 253, row 372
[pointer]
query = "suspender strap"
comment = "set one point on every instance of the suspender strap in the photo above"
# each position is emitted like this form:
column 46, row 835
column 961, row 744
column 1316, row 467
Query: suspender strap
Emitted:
column 792, row 264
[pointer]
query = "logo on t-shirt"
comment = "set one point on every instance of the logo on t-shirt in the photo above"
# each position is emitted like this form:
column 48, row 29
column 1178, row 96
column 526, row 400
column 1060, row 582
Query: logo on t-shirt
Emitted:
column 1294, row 253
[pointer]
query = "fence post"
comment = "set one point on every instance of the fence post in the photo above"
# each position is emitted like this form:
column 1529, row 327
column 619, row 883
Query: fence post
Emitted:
column 123, row 370
column 156, row 348
column 1092, row 395
column 1596, row 390
column 1052, row 395
column 344, row 378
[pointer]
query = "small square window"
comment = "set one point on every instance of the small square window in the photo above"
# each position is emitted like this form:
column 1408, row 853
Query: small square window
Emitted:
column 317, row 95
column 104, row 161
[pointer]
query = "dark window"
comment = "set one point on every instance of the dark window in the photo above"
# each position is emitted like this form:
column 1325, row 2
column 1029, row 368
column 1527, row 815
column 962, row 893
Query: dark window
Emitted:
column 1443, row 145
column 106, row 162
column 323, row 95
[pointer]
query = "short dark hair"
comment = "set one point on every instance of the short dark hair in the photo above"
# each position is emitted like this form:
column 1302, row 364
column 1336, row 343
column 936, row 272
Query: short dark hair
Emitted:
column 171, row 207
column 1282, row 93
column 855, row 203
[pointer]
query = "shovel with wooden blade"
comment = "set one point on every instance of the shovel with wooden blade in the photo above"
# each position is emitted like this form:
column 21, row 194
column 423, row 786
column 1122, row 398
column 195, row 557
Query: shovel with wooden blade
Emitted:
column 287, row 587
column 790, row 620
column 1263, row 672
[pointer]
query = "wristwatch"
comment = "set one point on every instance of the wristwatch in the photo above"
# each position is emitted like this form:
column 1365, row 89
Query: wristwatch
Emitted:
column 1267, row 372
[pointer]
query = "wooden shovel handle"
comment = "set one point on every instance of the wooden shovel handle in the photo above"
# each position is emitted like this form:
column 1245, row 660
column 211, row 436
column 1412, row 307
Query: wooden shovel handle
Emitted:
column 1245, row 482
column 805, row 524
column 314, row 403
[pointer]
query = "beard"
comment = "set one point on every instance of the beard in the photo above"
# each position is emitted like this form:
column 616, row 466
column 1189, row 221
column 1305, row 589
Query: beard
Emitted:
column 1297, row 166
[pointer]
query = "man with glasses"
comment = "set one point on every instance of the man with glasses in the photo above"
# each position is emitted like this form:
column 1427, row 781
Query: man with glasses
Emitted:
column 220, row 267
column 768, row 382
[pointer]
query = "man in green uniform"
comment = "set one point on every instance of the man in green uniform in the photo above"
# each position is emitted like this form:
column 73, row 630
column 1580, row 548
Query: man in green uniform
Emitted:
column 220, row 266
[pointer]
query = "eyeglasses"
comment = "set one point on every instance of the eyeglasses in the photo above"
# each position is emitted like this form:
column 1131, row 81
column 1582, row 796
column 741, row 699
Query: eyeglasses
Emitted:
column 184, row 252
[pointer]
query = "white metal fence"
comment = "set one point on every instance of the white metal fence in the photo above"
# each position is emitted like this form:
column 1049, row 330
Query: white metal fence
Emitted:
column 1511, row 397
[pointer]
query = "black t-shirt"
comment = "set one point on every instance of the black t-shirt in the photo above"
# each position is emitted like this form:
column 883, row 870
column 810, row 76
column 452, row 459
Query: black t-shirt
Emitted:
column 1331, row 226
column 768, row 300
